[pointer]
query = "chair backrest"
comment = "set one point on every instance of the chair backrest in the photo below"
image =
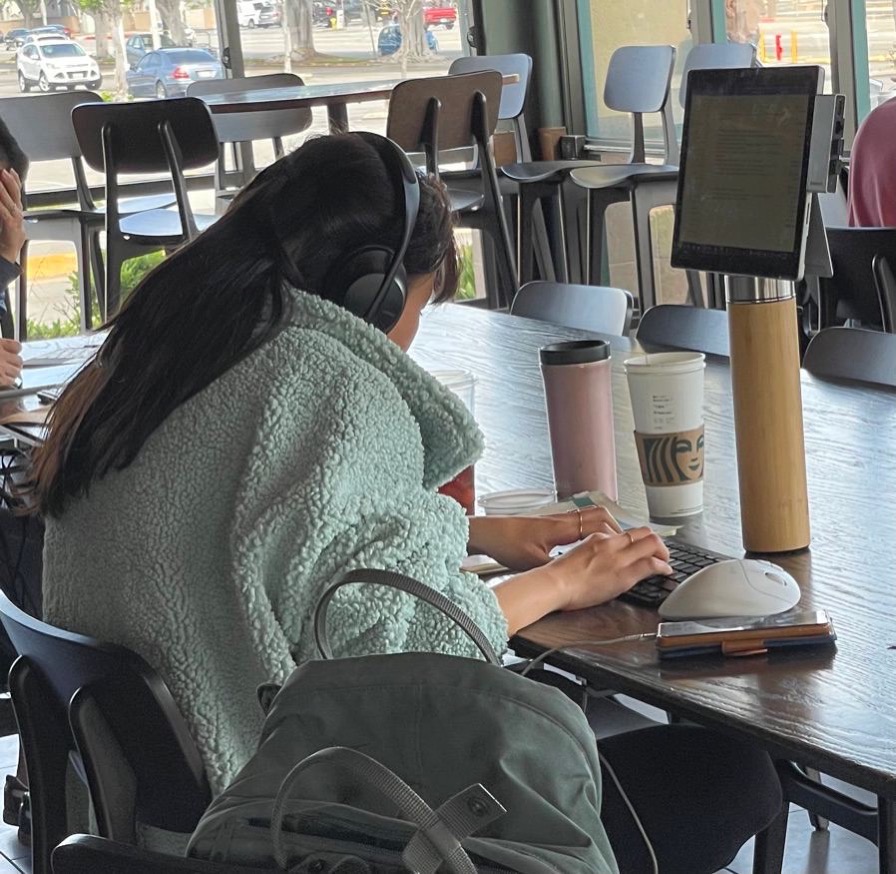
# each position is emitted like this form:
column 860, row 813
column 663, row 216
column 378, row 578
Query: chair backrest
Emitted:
column 886, row 291
column 410, row 121
column 716, row 56
column 854, row 355
column 685, row 327
column 587, row 307
column 42, row 124
column 109, row 694
column 513, row 94
column 638, row 81
column 853, row 285
column 243, row 127
column 136, row 136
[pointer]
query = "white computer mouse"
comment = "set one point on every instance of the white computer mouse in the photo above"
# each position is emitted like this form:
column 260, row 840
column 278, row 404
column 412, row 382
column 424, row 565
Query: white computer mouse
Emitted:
column 739, row 587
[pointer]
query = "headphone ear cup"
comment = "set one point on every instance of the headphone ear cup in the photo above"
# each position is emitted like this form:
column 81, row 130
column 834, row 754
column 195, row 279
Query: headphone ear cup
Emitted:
column 357, row 282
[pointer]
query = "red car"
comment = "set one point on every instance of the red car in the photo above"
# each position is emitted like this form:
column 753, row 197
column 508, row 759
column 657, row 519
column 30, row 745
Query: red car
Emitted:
column 444, row 15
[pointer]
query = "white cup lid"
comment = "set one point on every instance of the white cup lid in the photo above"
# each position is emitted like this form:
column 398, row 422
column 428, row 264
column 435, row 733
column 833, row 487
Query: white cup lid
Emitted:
column 516, row 502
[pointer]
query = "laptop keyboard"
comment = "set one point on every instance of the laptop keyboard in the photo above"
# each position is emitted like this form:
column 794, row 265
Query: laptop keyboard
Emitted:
column 685, row 560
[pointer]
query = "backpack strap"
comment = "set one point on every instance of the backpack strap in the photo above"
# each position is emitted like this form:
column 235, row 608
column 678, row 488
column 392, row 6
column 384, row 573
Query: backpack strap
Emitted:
column 412, row 587
column 439, row 832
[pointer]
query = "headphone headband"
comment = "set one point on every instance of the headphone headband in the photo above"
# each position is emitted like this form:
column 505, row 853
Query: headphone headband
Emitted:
column 402, row 171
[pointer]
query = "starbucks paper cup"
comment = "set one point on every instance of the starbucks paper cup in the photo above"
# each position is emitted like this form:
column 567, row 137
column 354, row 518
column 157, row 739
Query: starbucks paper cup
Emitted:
column 666, row 391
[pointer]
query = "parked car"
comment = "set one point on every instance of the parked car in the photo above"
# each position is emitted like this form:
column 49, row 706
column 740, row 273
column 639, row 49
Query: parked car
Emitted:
column 139, row 44
column 247, row 13
column 436, row 14
column 270, row 15
column 389, row 40
column 168, row 72
column 46, row 36
column 15, row 37
column 52, row 64
column 56, row 29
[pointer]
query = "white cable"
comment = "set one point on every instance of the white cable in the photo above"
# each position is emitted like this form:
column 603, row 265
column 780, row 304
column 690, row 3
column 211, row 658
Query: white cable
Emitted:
column 590, row 642
column 631, row 810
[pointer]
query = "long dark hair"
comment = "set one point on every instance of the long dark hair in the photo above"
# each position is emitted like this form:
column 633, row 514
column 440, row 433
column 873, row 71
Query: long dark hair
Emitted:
column 222, row 296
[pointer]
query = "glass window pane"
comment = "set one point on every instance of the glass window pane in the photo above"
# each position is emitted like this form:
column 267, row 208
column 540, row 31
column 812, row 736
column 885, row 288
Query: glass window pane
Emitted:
column 880, row 23
column 785, row 32
column 615, row 23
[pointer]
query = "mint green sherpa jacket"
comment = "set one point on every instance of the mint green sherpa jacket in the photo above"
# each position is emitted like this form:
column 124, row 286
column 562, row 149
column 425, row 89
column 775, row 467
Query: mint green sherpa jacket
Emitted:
column 318, row 453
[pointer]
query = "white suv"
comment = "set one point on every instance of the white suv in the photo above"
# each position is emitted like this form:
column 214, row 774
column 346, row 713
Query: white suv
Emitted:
column 52, row 64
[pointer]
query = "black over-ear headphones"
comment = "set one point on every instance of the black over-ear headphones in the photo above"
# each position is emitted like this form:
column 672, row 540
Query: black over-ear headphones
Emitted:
column 371, row 282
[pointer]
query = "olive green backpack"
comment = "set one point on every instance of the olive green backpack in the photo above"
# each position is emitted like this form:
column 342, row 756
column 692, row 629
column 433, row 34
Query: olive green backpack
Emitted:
column 414, row 762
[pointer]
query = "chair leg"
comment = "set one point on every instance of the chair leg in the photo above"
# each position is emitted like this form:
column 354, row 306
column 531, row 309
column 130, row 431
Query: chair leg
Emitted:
column 768, row 846
column 886, row 835
column 22, row 297
column 543, row 247
column 643, row 253
column 114, row 260
column 83, row 255
column 46, row 741
column 525, row 207
column 819, row 823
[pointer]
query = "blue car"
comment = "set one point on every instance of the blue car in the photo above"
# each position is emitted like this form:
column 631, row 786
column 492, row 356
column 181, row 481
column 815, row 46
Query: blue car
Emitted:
column 169, row 72
column 389, row 41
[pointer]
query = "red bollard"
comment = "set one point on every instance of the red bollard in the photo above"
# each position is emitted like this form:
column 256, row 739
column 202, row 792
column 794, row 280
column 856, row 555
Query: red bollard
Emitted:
column 779, row 50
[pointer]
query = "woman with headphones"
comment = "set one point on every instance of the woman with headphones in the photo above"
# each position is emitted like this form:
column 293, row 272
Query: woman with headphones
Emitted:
column 252, row 429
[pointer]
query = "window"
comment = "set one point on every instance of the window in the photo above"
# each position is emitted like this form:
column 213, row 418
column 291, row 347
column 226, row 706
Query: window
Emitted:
column 785, row 32
column 610, row 24
column 880, row 82
column 62, row 50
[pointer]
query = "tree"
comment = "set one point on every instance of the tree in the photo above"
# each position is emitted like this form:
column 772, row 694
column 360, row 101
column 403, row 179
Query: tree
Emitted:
column 113, row 11
column 297, row 30
column 413, row 31
column 172, row 20
column 30, row 10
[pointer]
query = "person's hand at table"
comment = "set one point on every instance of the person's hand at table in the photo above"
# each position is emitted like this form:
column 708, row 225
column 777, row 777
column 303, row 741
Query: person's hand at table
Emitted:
column 12, row 222
column 10, row 361
column 599, row 569
column 523, row 542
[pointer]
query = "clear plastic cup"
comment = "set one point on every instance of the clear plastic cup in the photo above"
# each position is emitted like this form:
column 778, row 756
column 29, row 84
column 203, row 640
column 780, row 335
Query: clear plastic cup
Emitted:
column 463, row 487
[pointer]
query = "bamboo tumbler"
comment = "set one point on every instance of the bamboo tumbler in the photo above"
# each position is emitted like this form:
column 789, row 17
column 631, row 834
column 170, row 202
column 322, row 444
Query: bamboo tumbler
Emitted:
column 768, row 414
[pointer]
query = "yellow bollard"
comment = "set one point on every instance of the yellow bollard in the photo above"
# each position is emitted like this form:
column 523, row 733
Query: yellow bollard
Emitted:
column 794, row 48
column 763, row 55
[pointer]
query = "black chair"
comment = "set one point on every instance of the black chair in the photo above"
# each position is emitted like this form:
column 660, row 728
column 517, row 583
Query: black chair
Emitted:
column 853, row 355
column 587, row 307
column 886, row 292
column 42, row 127
column 852, row 293
column 157, row 136
column 74, row 694
column 454, row 112
column 85, row 854
column 685, row 327
column 235, row 128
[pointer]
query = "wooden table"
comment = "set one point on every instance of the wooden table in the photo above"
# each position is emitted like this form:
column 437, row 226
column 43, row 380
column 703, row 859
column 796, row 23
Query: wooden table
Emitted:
column 834, row 711
column 334, row 97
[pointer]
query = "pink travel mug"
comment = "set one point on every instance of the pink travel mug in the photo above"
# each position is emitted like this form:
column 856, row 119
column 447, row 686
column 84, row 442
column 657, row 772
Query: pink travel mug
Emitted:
column 578, row 393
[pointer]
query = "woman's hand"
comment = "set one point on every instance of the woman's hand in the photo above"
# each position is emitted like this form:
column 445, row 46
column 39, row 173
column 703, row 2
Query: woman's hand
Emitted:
column 597, row 570
column 605, row 566
column 10, row 361
column 524, row 542
column 12, row 223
